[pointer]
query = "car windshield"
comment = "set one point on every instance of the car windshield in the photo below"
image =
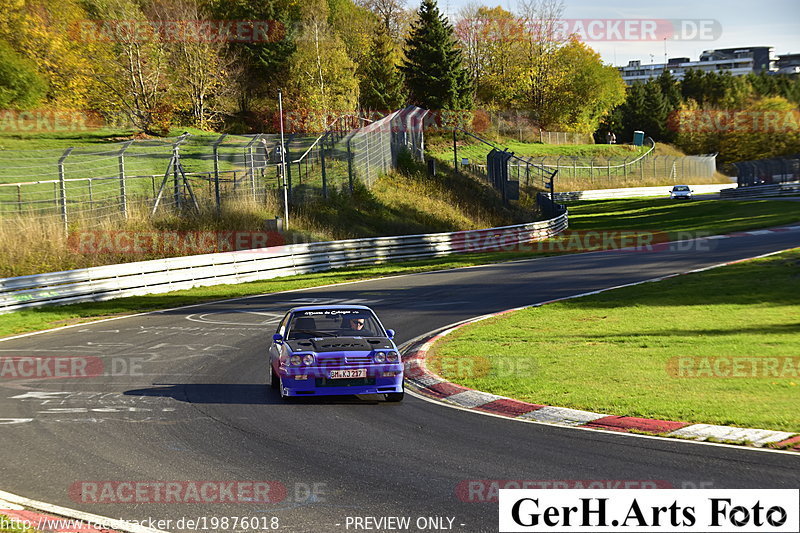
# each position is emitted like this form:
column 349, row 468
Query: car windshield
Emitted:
column 680, row 188
column 334, row 323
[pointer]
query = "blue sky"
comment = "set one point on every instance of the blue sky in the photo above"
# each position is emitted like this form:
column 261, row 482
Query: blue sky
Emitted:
column 766, row 23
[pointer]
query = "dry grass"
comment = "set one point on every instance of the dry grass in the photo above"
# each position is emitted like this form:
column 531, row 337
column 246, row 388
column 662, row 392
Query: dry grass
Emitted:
column 401, row 203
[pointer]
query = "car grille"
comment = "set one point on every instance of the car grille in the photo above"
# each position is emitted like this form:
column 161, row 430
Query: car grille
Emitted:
column 358, row 360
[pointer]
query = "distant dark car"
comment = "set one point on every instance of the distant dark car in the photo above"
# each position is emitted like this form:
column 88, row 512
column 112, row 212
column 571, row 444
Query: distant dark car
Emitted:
column 681, row 192
column 334, row 350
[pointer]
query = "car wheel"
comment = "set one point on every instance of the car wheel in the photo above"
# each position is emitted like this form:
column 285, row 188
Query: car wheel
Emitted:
column 284, row 396
column 395, row 396
column 273, row 380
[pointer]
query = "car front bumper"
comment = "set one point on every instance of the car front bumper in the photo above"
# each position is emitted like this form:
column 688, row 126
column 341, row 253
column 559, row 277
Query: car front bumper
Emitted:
column 315, row 381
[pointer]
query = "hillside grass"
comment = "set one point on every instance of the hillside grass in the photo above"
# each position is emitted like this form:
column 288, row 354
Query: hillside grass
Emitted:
column 400, row 203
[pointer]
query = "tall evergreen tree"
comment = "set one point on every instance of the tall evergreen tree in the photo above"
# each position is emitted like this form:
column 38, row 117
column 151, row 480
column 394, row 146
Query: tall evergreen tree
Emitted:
column 382, row 86
column 655, row 111
column 670, row 89
column 632, row 110
column 693, row 86
column 433, row 67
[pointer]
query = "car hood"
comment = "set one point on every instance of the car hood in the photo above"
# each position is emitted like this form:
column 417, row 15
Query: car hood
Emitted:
column 341, row 344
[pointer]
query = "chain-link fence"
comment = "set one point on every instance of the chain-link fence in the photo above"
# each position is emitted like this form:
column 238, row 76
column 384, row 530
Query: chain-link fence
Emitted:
column 588, row 171
column 771, row 171
column 565, row 137
column 88, row 183
column 515, row 178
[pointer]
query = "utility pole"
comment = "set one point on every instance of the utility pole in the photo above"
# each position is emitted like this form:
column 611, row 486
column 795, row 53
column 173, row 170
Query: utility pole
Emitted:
column 283, row 168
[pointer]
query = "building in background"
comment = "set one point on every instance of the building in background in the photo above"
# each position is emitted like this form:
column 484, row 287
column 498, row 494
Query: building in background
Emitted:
column 736, row 61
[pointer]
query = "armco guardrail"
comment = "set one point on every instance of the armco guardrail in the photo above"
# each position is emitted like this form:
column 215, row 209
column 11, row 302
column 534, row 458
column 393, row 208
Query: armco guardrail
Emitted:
column 633, row 192
column 164, row 275
column 761, row 191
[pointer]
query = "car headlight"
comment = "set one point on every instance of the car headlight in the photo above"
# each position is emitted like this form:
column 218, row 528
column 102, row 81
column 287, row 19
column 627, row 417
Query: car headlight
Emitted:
column 295, row 360
column 380, row 357
column 308, row 359
column 392, row 357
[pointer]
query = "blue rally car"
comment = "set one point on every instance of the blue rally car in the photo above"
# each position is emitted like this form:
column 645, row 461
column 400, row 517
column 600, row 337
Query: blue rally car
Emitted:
column 334, row 350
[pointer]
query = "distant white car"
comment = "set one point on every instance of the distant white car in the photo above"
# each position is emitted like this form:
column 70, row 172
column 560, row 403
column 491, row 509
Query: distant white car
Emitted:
column 681, row 192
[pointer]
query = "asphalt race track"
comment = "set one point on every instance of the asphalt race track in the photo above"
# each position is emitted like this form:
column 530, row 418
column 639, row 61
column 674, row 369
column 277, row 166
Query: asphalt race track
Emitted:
column 190, row 403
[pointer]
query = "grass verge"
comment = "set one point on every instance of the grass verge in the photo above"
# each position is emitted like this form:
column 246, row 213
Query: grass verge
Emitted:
column 665, row 215
column 662, row 350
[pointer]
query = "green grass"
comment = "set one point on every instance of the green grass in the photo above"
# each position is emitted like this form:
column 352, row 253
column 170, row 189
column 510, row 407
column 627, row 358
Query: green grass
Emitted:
column 663, row 214
column 611, row 352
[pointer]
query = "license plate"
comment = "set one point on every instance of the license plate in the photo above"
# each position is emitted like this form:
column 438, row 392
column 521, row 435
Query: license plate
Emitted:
column 343, row 374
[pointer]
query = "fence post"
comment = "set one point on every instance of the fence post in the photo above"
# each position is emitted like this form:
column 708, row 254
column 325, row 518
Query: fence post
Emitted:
column 19, row 199
column 63, row 186
column 123, row 193
column 324, row 173
column 591, row 170
column 366, row 140
column 251, row 164
column 455, row 152
column 176, row 184
column 215, row 148
column 350, row 165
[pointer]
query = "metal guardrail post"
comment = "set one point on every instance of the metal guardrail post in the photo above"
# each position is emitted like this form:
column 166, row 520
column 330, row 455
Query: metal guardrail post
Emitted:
column 63, row 187
column 123, row 193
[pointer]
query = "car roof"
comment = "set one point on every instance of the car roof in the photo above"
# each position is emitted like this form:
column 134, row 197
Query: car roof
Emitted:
column 321, row 307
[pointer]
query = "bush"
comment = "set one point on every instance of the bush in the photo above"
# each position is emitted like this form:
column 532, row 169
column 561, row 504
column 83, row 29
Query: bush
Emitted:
column 21, row 86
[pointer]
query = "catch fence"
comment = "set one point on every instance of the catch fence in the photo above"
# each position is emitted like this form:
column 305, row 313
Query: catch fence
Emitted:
column 594, row 171
column 201, row 172
column 770, row 171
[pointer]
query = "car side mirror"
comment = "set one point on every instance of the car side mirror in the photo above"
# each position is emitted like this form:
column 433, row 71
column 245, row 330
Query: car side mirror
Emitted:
column 278, row 338
column 390, row 333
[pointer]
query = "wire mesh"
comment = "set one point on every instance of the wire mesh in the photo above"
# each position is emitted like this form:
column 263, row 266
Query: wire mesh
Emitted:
column 770, row 171
column 99, row 181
